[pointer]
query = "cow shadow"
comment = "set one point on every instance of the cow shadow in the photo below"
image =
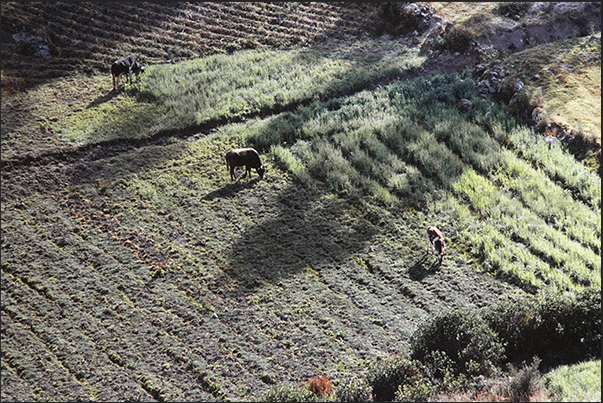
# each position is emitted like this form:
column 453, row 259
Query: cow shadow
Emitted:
column 105, row 98
column 422, row 268
column 230, row 190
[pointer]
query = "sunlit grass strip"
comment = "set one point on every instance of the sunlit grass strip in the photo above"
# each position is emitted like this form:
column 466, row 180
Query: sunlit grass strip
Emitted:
column 171, row 97
column 558, row 164
column 517, row 222
column 289, row 162
column 343, row 143
column 576, row 383
column 545, row 198
column 124, row 119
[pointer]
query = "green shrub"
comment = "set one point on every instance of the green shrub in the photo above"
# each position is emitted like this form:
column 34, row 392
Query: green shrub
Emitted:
column 353, row 390
column 288, row 393
column 396, row 18
column 418, row 391
column 457, row 39
column 558, row 327
column 510, row 318
column 571, row 325
column 525, row 383
column 464, row 337
column 513, row 9
column 386, row 377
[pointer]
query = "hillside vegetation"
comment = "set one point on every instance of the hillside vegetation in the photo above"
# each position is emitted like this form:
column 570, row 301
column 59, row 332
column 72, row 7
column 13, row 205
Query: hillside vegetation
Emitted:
column 133, row 268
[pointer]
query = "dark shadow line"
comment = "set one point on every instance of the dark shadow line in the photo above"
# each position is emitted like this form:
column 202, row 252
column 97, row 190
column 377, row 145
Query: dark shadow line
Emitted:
column 419, row 271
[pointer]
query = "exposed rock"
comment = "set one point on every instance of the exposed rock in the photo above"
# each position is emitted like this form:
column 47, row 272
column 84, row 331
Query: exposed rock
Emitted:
column 465, row 105
column 39, row 46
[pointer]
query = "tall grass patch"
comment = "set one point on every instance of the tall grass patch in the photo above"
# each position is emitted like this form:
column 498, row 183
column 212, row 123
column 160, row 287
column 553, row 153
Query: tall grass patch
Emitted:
column 576, row 383
column 408, row 144
column 173, row 97
column 368, row 144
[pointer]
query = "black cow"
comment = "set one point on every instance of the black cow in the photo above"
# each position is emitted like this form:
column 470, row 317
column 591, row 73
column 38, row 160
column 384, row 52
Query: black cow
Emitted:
column 127, row 65
column 247, row 157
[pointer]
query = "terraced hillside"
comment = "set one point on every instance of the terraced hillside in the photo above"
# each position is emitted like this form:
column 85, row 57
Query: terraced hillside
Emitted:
column 59, row 39
column 133, row 268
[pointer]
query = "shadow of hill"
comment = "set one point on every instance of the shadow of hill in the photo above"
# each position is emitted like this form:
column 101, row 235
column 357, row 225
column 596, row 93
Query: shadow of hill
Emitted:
column 307, row 230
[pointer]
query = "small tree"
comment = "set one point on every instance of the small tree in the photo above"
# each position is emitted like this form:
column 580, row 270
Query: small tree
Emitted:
column 464, row 337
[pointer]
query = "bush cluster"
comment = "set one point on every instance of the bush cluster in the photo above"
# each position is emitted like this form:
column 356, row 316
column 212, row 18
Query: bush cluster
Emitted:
column 526, row 382
column 456, row 39
column 452, row 352
column 462, row 336
column 513, row 9
column 398, row 18
column 386, row 377
column 560, row 328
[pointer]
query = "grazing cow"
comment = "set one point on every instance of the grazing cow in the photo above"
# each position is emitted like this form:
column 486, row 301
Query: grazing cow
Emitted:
column 436, row 240
column 247, row 157
column 127, row 65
